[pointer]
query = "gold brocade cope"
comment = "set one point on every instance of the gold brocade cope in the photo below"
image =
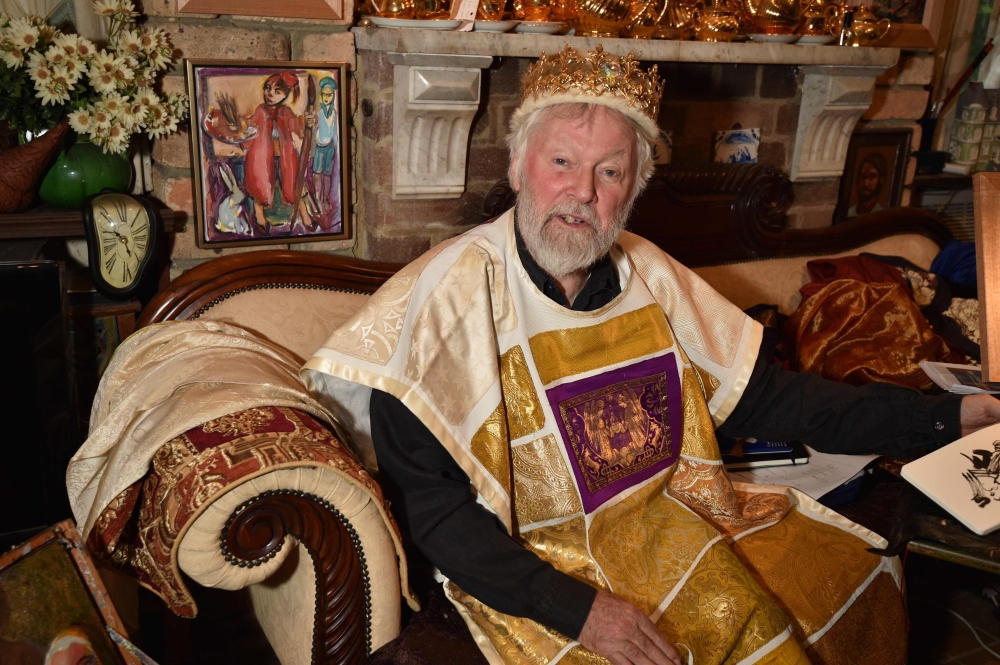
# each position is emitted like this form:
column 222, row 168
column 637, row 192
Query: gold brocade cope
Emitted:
column 709, row 384
column 720, row 613
column 451, row 353
column 524, row 411
column 373, row 333
column 543, row 488
column 871, row 632
column 490, row 445
column 646, row 542
column 564, row 545
column 858, row 333
column 698, row 439
column 561, row 353
column 789, row 557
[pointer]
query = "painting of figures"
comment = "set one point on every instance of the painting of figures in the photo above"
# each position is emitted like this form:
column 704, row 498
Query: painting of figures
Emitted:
column 269, row 146
column 54, row 609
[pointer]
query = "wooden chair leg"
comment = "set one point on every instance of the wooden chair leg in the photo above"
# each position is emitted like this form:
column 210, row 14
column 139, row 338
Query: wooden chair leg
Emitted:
column 255, row 533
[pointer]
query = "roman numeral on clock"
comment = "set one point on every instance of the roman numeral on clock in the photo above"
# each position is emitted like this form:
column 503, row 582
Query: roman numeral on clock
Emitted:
column 110, row 263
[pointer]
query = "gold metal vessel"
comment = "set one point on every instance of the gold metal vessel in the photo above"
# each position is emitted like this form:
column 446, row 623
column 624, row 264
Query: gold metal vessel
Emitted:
column 645, row 18
column 866, row 28
column 772, row 17
column 394, row 8
column 601, row 18
column 715, row 21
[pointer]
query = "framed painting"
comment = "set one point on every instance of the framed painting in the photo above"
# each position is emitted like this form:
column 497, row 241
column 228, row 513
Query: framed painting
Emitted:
column 270, row 152
column 54, row 607
column 873, row 173
column 914, row 23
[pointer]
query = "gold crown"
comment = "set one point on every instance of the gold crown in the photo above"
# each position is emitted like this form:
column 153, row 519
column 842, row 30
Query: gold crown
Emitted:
column 598, row 74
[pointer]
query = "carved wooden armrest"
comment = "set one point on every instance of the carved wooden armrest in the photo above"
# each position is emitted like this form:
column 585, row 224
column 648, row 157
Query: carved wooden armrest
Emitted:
column 255, row 533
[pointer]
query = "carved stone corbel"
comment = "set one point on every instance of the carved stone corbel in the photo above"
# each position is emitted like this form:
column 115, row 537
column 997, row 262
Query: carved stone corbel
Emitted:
column 833, row 100
column 435, row 98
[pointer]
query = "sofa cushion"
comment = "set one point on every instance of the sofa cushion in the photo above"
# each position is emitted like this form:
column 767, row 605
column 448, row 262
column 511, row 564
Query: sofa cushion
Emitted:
column 297, row 318
column 777, row 281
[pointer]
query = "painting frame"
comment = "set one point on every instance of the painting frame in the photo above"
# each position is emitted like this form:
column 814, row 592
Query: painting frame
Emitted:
column 915, row 35
column 885, row 142
column 58, row 548
column 224, row 156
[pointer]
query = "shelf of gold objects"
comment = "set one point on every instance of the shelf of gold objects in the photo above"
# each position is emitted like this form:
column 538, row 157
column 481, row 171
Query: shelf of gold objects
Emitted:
column 409, row 40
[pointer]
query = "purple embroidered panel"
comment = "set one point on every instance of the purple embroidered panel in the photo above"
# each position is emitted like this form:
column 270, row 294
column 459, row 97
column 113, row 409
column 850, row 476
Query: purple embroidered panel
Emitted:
column 620, row 427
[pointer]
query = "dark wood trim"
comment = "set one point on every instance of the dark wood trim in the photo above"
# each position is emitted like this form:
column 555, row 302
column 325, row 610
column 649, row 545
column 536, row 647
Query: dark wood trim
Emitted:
column 256, row 531
column 729, row 213
column 219, row 278
column 49, row 222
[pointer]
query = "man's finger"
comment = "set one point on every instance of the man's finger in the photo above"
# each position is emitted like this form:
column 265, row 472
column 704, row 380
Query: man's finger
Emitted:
column 660, row 653
column 659, row 641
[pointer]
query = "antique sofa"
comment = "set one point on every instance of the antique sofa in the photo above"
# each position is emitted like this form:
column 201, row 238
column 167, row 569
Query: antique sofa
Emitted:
column 338, row 599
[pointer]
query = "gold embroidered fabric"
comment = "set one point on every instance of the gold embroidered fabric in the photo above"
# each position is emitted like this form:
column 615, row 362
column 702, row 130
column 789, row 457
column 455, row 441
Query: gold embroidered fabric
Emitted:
column 516, row 639
column 871, row 632
column 561, row 353
column 524, row 410
column 698, row 439
column 565, row 546
column 543, row 488
column 373, row 333
column 709, row 384
column 810, row 567
column 720, row 613
column 645, row 543
column 452, row 355
column 490, row 445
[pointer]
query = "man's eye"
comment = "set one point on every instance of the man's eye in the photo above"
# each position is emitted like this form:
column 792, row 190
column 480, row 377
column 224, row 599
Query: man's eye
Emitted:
column 560, row 161
column 611, row 173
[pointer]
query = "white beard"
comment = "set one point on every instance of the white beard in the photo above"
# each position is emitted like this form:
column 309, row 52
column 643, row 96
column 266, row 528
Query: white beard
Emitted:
column 560, row 251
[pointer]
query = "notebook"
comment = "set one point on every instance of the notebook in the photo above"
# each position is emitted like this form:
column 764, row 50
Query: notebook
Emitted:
column 962, row 478
column 744, row 454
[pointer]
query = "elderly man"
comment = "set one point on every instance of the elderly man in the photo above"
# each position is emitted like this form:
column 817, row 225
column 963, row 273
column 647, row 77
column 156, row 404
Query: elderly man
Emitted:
column 542, row 394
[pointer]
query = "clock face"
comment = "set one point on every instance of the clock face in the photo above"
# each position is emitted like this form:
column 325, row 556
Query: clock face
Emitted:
column 123, row 236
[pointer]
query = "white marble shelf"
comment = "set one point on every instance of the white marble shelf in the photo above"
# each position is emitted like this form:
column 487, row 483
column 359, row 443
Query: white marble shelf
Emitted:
column 657, row 50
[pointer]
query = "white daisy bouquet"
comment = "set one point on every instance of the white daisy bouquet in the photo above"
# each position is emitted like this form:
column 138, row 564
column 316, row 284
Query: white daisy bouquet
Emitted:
column 107, row 93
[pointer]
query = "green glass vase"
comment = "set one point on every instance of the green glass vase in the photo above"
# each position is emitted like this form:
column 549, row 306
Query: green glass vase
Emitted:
column 81, row 170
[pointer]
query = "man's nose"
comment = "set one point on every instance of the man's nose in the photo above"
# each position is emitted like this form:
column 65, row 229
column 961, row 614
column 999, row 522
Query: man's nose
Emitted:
column 583, row 188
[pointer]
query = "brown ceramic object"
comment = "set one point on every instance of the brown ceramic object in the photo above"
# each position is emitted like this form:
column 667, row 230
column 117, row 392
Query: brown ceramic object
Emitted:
column 22, row 168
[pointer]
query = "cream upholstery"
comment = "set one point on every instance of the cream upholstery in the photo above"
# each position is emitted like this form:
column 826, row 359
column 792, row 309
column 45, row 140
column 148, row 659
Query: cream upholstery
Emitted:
column 283, row 589
column 295, row 318
column 777, row 281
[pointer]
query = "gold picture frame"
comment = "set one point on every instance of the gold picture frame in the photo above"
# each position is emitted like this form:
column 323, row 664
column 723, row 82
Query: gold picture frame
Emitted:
column 52, row 601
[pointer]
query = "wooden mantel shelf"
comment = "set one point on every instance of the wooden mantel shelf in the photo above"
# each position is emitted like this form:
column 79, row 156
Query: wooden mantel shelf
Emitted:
column 49, row 222
column 655, row 50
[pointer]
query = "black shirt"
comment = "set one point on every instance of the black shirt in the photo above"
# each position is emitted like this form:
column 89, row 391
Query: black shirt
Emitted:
column 432, row 499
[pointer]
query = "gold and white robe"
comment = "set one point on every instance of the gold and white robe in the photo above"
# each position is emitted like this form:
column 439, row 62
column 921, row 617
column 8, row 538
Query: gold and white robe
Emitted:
column 591, row 436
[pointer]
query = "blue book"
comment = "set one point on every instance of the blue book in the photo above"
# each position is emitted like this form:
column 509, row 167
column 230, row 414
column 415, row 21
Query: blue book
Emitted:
column 741, row 454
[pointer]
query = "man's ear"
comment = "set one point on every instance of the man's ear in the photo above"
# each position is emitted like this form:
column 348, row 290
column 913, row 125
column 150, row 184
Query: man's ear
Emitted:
column 512, row 174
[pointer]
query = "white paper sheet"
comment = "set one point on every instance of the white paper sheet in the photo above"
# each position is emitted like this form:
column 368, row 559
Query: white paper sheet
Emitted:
column 823, row 473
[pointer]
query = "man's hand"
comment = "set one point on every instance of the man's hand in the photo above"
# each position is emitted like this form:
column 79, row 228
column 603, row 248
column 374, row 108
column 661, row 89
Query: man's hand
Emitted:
column 619, row 631
column 978, row 411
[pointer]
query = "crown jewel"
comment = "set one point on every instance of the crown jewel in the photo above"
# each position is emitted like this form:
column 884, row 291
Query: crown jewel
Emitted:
column 596, row 74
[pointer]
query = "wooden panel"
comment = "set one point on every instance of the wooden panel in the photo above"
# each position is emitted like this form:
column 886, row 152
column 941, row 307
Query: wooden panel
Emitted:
column 312, row 9
column 986, row 192
column 49, row 222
